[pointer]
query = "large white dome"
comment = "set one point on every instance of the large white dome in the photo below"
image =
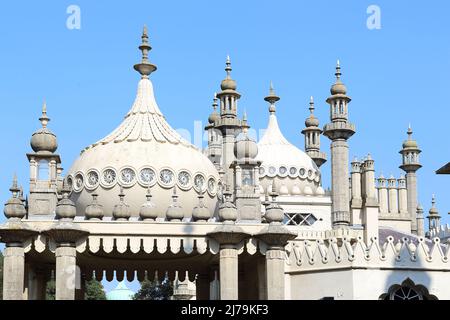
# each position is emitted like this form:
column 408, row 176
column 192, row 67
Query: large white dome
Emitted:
column 294, row 171
column 144, row 150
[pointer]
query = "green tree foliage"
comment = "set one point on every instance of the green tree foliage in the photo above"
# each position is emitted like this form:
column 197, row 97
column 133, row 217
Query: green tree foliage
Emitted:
column 153, row 290
column 94, row 290
column 50, row 290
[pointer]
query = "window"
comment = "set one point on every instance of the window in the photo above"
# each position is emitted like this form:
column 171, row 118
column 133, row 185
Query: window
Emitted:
column 299, row 219
column 408, row 290
column 43, row 170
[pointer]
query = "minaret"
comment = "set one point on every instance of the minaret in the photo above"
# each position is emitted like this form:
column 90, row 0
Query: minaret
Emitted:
column 434, row 218
column 312, row 137
column 43, row 169
column 214, row 150
column 410, row 164
column 229, row 125
column 339, row 130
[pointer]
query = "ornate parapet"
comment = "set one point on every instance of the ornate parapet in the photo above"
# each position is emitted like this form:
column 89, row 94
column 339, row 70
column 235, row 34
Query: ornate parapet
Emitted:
column 333, row 254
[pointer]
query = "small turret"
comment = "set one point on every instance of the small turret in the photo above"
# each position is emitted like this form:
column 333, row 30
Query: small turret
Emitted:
column 433, row 216
column 312, row 134
column 14, row 207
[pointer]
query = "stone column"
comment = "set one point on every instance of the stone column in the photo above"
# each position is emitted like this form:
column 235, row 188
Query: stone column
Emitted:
column 13, row 271
column 340, row 183
column 411, row 188
column 14, row 233
column 276, row 237
column 356, row 184
column 65, row 272
column 228, row 236
column 65, row 233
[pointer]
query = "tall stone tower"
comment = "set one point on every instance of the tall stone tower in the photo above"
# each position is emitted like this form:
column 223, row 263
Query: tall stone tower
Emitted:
column 44, row 167
column 229, row 125
column 410, row 164
column 312, row 134
column 339, row 130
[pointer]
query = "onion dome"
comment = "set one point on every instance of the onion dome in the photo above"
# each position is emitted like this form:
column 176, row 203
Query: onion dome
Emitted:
column 144, row 150
column 14, row 207
column 338, row 87
column 43, row 140
column 121, row 210
column 282, row 161
column 174, row 211
column 148, row 209
column 214, row 116
column 274, row 213
column 311, row 121
column 433, row 210
column 200, row 212
column 410, row 143
column 65, row 209
column 94, row 210
column 228, row 83
column 245, row 147
column 227, row 210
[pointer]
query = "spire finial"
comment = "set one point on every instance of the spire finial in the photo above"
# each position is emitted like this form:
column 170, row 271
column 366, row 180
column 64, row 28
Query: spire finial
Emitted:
column 121, row 194
column 311, row 105
column 149, row 194
column 215, row 104
column 145, row 68
column 44, row 119
column 228, row 67
column 433, row 201
column 338, row 70
column 409, row 132
column 272, row 98
column 14, row 187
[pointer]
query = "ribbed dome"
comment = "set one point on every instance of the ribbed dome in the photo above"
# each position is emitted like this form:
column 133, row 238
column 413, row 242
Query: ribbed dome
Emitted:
column 245, row 147
column 288, row 165
column 143, row 150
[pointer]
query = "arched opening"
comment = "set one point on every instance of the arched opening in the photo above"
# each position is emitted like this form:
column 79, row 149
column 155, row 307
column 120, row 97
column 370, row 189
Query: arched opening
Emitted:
column 43, row 170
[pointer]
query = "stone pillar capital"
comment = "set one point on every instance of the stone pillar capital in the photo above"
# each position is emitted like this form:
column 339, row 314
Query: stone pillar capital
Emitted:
column 65, row 233
column 276, row 236
column 228, row 235
column 15, row 232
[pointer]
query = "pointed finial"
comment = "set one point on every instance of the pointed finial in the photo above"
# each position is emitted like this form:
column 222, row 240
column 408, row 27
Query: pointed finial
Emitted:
column 215, row 99
column 44, row 119
column 121, row 194
column 338, row 70
column 14, row 187
column 174, row 195
column 228, row 67
column 272, row 98
column 145, row 68
column 409, row 132
column 149, row 194
column 311, row 105
column 433, row 200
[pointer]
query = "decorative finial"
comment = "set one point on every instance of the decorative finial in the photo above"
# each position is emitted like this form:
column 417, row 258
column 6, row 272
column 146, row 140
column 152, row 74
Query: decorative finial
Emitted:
column 409, row 132
column 174, row 196
column 272, row 98
column 145, row 68
column 215, row 99
column 433, row 201
column 338, row 70
column 44, row 119
column 311, row 105
column 228, row 67
column 14, row 187
column 121, row 194
column 149, row 194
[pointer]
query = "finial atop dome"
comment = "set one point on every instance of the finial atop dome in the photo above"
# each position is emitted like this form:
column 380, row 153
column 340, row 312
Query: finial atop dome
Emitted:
column 433, row 210
column 338, row 87
column 121, row 210
column 200, row 211
column 228, row 83
column 410, row 142
column 214, row 116
column 148, row 210
column 94, row 210
column 174, row 211
column 272, row 98
column 145, row 68
column 311, row 121
column 14, row 207
column 44, row 119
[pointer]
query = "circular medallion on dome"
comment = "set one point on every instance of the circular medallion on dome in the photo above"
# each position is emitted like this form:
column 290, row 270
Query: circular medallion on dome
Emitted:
column 262, row 171
column 199, row 183
column 302, row 173
column 147, row 177
column 166, row 178
column 310, row 175
column 293, row 172
column 184, row 180
column 108, row 178
column 79, row 181
column 93, row 179
column 283, row 171
column 272, row 171
column 212, row 186
column 127, row 177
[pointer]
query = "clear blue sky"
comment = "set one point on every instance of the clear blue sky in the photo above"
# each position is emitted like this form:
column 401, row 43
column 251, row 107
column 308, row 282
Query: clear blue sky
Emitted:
column 396, row 75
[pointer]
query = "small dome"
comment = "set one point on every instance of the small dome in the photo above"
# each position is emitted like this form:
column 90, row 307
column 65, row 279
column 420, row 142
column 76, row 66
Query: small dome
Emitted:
column 65, row 209
column 200, row 212
column 213, row 117
column 121, row 210
column 148, row 210
column 94, row 210
column 312, row 121
column 245, row 147
column 174, row 211
column 338, row 88
column 410, row 144
column 43, row 140
column 228, row 84
column 121, row 292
